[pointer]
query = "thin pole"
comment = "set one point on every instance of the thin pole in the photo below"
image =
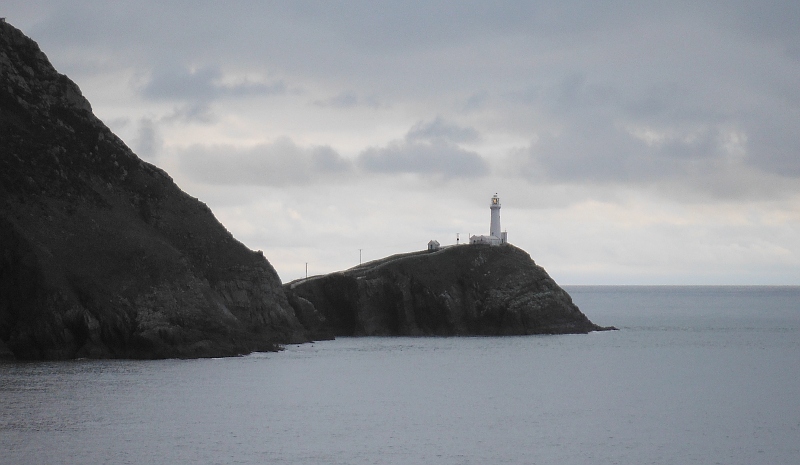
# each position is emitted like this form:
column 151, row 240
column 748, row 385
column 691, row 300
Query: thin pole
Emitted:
column 306, row 270
column 359, row 256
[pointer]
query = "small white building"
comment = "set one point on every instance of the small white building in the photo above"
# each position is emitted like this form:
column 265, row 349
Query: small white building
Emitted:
column 496, row 236
column 433, row 245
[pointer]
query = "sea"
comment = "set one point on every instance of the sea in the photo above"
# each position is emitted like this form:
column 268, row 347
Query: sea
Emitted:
column 694, row 375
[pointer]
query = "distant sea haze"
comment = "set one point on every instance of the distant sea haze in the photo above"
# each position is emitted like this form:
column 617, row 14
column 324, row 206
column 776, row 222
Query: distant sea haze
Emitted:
column 695, row 375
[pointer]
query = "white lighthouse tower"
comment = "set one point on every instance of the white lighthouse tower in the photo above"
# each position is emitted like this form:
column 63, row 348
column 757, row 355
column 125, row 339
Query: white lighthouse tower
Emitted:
column 496, row 235
column 494, row 227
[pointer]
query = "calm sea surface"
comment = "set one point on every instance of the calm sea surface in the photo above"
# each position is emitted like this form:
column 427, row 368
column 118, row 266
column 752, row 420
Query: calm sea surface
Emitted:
column 696, row 375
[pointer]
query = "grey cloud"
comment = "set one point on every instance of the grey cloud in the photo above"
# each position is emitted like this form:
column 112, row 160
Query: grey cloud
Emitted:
column 687, row 127
column 344, row 42
column 348, row 100
column 284, row 163
column 148, row 142
column 277, row 164
column 437, row 158
column 179, row 83
column 438, row 129
column 774, row 143
column 575, row 69
column 700, row 164
column 575, row 92
column 773, row 19
column 195, row 112
column 575, row 156
column 476, row 101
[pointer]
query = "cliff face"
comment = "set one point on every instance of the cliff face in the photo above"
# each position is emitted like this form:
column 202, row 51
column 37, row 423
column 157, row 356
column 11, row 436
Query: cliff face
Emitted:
column 101, row 254
column 461, row 290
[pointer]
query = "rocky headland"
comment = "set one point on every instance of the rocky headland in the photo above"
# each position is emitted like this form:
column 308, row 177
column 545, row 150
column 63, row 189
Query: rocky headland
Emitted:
column 457, row 290
column 101, row 254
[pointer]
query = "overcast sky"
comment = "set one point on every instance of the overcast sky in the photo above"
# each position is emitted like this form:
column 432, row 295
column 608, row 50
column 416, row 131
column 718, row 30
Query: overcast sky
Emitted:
column 629, row 142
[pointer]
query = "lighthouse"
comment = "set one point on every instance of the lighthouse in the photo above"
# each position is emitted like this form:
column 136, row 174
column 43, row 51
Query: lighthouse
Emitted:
column 494, row 227
column 496, row 235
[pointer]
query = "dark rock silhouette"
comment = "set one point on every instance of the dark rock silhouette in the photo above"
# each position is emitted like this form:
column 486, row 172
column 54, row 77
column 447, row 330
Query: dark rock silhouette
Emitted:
column 101, row 254
column 458, row 290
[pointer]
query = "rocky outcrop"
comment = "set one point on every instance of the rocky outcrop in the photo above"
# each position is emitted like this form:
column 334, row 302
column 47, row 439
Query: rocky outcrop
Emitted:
column 101, row 254
column 458, row 290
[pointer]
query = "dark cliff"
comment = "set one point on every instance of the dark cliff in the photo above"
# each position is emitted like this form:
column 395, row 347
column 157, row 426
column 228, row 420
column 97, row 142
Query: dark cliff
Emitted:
column 101, row 254
column 459, row 290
